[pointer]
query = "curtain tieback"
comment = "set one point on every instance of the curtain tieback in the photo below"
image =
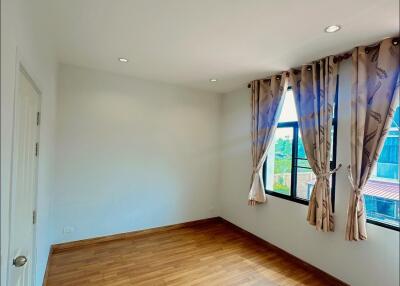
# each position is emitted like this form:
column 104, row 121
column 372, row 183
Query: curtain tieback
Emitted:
column 356, row 189
column 327, row 174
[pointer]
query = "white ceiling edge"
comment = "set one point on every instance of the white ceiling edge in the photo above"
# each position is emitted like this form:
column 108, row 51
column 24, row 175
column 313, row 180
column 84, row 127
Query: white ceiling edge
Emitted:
column 126, row 76
column 187, row 42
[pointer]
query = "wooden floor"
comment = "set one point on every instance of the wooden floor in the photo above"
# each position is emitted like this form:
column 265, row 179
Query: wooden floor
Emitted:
column 211, row 253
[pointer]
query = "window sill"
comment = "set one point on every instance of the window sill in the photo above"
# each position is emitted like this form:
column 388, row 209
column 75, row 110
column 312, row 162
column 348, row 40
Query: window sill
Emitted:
column 286, row 197
column 304, row 202
column 392, row 227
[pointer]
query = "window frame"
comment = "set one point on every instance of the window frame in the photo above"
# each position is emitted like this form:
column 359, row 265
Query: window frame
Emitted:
column 292, row 197
column 379, row 223
column 382, row 224
column 293, row 183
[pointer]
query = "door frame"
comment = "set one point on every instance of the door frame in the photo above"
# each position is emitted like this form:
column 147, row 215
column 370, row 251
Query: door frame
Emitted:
column 21, row 66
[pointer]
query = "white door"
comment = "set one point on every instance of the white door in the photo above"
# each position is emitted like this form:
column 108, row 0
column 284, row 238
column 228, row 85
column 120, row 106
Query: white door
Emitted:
column 24, row 181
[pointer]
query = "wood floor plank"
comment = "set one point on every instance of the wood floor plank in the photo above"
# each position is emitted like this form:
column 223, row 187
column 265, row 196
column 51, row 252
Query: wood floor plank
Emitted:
column 210, row 253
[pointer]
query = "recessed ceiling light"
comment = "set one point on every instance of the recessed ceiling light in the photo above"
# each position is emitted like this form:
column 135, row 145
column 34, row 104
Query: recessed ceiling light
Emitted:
column 123, row 60
column 213, row 80
column 332, row 28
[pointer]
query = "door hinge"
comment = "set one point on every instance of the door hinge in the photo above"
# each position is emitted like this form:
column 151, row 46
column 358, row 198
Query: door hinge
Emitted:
column 37, row 149
column 38, row 118
column 34, row 217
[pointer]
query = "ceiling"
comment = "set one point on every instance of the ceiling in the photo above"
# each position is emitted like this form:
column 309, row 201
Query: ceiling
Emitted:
column 187, row 42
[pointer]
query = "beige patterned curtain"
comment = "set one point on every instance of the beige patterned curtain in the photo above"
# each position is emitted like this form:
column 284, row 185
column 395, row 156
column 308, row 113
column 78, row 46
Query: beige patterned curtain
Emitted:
column 266, row 99
column 373, row 102
column 314, row 89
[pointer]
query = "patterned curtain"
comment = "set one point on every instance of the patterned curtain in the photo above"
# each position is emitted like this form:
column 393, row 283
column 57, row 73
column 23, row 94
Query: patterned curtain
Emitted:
column 266, row 99
column 373, row 102
column 314, row 89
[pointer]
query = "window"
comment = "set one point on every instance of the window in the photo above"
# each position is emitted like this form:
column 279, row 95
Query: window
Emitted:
column 381, row 192
column 287, row 173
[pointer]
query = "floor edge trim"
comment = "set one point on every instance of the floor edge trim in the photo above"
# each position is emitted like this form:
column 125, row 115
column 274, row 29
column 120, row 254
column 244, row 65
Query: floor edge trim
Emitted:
column 61, row 247
column 307, row 265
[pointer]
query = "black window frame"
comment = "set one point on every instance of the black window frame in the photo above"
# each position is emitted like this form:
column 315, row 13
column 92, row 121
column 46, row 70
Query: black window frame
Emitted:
column 293, row 185
column 382, row 224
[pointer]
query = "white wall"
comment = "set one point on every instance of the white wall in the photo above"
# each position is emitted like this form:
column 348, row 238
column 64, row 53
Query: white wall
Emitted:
column 283, row 223
column 22, row 27
column 132, row 154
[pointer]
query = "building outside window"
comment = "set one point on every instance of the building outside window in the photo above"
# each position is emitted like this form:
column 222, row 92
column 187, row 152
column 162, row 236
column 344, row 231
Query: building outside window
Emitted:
column 381, row 192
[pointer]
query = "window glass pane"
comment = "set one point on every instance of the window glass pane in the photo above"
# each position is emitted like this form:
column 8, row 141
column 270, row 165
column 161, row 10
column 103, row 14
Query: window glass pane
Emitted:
column 332, row 143
column 289, row 112
column 381, row 192
column 278, row 166
column 301, row 153
column 303, row 163
column 279, row 162
column 305, row 176
column 334, row 109
column 305, row 183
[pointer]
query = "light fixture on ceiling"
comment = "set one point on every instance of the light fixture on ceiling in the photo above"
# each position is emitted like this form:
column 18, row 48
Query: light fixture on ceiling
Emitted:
column 213, row 80
column 123, row 60
column 332, row 28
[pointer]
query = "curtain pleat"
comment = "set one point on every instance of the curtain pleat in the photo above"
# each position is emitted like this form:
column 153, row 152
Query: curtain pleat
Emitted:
column 314, row 88
column 374, row 97
column 266, row 99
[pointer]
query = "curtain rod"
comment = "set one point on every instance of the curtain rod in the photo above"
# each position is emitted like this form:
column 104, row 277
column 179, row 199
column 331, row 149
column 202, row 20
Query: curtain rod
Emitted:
column 343, row 56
